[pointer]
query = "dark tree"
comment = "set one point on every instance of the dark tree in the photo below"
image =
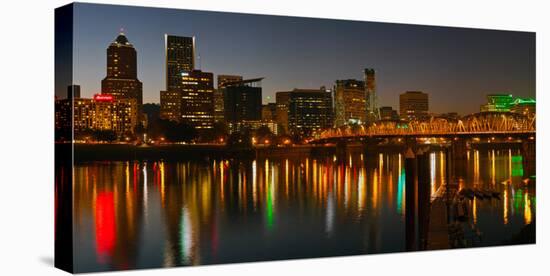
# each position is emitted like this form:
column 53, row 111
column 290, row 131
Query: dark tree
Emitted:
column 180, row 132
column 217, row 132
column 152, row 111
column 241, row 139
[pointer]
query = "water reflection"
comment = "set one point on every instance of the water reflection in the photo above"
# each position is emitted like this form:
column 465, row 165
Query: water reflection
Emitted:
column 150, row 214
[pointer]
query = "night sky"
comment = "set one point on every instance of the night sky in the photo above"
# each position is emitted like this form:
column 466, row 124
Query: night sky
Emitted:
column 457, row 67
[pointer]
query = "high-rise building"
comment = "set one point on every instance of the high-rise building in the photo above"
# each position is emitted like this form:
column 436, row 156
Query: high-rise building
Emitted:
column 121, row 81
column 191, row 103
column 498, row 103
column 282, row 100
column 218, row 95
column 243, row 101
column 350, row 103
column 370, row 94
column 180, row 58
column 388, row 113
column 309, row 110
column 413, row 105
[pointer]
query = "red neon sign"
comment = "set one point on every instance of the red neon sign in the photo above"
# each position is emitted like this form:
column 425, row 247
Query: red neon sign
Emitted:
column 103, row 97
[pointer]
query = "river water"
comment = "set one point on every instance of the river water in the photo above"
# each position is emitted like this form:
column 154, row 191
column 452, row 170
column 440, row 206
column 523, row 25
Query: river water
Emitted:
column 141, row 214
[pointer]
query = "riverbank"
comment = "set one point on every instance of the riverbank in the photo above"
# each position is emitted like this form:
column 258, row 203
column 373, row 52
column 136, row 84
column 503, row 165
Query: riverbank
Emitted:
column 125, row 152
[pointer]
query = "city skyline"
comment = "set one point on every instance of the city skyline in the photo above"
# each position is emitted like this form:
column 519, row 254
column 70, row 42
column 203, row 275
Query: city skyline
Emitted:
column 329, row 137
column 450, row 64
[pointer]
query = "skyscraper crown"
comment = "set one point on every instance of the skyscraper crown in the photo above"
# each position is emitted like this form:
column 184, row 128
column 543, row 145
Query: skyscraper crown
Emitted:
column 122, row 40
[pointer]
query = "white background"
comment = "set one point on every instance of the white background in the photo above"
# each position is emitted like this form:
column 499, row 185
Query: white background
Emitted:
column 26, row 135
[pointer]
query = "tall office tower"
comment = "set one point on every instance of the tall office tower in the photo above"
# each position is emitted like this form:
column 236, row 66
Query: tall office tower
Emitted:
column 180, row 58
column 282, row 101
column 370, row 94
column 243, row 101
column 350, row 103
column 121, row 81
column 193, row 102
column 218, row 95
column 309, row 110
column 413, row 105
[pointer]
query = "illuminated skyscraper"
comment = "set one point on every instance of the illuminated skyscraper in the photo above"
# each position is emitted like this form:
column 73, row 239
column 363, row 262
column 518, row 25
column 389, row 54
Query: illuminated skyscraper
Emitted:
column 370, row 94
column 309, row 110
column 413, row 105
column 192, row 103
column 121, row 81
column 189, row 94
column 180, row 58
column 350, row 103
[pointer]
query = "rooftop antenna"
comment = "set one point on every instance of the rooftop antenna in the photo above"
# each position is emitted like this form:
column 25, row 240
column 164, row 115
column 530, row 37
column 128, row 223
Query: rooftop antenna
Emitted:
column 121, row 30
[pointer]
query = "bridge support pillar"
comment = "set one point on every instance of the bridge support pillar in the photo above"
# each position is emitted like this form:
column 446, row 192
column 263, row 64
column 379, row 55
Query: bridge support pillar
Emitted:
column 459, row 149
column 341, row 151
column 528, row 152
column 424, row 194
column 410, row 202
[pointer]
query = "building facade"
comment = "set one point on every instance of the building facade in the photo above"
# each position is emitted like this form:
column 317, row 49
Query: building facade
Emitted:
column 350, row 102
column 413, row 105
column 498, row 103
column 223, row 80
column 370, row 94
column 102, row 112
column 180, row 58
column 218, row 95
column 388, row 113
column 192, row 103
column 121, row 81
column 269, row 112
column 282, row 101
column 309, row 111
column 243, row 101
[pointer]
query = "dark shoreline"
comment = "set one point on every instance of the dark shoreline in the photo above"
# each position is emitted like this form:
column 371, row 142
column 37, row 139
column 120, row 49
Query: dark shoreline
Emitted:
column 129, row 152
